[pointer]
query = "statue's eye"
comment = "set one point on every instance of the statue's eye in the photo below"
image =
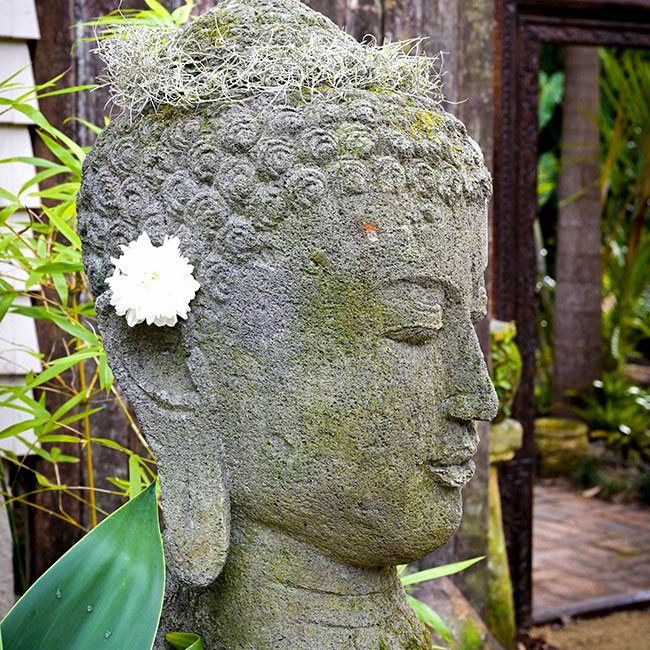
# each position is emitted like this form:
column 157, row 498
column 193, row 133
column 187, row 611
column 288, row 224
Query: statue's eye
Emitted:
column 422, row 331
column 414, row 312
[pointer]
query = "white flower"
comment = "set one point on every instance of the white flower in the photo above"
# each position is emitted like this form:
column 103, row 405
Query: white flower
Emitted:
column 152, row 283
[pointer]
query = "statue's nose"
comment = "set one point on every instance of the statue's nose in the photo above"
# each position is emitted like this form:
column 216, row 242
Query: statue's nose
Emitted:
column 471, row 395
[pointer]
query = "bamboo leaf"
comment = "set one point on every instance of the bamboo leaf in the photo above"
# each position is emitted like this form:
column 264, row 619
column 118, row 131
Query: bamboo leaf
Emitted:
column 21, row 427
column 430, row 618
column 5, row 82
column 157, row 8
column 6, row 212
column 40, row 120
column 43, row 175
column 58, row 366
column 62, row 154
column 60, row 267
column 93, row 127
column 60, row 437
column 6, row 302
column 63, row 91
column 42, row 480
column 5, row 194
column 105, row 592
column 107, row 442
column 105, row 374
column 61, row 287
column 438, row 572
column 70, row 404
column 31, row 160
column 181, row 15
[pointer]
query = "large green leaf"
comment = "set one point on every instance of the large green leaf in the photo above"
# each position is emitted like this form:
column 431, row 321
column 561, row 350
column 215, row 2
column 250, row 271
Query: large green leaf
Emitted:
column 105, row 592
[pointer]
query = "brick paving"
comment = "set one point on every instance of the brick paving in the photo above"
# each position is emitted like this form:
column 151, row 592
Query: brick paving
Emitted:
column 586, row 549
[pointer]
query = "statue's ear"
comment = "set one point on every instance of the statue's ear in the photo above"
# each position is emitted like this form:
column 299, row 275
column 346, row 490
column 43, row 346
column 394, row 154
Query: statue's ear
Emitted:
column 152, row 366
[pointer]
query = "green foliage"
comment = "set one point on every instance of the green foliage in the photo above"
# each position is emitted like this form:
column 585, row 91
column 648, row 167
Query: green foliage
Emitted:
column 182, row 641
column 156, row 17
column 44, row 251
column 619, row 413
column 432, row 620
column 625, row 197
column 548, row 167
column 426, row 614
column 108, row 586
column 609, row 479
column 505, row 369
column 551, row 89
column 624, row 125
column 442, row 571
column 642, row 485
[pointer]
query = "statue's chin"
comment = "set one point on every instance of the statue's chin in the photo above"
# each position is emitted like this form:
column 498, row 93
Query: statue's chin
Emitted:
column 412, row 535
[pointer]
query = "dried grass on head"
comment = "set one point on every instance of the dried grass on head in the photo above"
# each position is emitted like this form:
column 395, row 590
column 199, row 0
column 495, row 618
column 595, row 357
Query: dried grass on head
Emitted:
column 246, row 49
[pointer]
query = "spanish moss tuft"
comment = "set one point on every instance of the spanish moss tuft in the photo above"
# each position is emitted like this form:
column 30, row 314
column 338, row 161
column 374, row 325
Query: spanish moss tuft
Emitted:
column 245, row 49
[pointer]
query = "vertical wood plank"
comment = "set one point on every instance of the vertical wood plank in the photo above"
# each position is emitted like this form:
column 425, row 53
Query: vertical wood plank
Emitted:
column 110, row 423
column 335, row 10
column 434, row 20
column 92, row 106
column 49, row 537
column 474, row 80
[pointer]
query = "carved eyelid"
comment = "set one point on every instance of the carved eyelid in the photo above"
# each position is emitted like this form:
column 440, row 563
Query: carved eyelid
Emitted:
column 416, row 309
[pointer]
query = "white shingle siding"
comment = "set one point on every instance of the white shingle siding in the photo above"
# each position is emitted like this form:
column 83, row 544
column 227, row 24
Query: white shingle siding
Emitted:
column 15, row 141
column 14, row 56
column 18, row 19
column 18, row 24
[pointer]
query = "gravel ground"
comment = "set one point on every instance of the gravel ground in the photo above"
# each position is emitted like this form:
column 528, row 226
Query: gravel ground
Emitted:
column 620, row 631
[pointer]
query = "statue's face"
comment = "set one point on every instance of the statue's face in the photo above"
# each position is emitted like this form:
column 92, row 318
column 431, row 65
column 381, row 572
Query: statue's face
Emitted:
column 346, row 373
column 340, row 251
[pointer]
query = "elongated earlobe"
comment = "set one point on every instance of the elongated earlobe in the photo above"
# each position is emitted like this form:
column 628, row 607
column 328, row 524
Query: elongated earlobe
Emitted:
column 196, row 512
column 151, row 366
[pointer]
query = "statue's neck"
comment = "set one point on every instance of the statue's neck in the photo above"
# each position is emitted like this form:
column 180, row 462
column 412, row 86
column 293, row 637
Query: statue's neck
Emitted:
column 276, row 592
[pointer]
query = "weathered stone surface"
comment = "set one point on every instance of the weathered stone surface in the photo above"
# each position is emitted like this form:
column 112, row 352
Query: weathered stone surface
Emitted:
column 312, row 419
column 506, row 437
column 562, row 445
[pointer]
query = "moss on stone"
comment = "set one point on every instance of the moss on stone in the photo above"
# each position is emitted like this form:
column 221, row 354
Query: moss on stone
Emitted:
column 470, row 637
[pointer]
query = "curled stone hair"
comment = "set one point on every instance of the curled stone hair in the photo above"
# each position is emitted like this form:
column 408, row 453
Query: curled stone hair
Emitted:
column 223, row 178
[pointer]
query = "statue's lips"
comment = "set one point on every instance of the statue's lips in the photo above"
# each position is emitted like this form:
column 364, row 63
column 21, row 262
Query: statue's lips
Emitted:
column 452, row 475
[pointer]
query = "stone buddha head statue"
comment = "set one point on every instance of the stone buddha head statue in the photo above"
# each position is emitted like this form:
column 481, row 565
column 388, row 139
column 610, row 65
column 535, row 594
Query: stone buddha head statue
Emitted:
column 312, row 419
